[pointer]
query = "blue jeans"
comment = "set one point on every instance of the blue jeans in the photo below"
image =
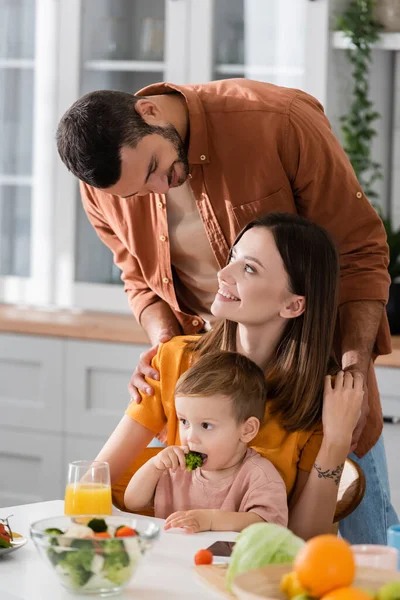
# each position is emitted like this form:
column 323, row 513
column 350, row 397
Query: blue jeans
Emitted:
column 369, row 523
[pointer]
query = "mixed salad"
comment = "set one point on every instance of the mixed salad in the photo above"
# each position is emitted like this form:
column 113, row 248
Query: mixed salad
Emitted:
column 95, row 554
column 6, row 535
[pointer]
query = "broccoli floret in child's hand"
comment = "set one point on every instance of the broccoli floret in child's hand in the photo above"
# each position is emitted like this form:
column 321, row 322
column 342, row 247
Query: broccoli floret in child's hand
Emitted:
column 193, row 460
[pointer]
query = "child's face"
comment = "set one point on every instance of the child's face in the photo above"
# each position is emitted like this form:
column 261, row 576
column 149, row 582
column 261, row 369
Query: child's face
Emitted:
column 207, row 425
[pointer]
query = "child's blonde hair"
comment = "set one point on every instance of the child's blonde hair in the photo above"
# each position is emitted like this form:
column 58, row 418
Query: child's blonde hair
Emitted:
column 228, row 374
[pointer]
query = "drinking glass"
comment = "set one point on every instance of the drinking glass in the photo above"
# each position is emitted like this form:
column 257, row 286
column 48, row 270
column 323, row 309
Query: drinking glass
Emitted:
column 88, row 490
column 378, row 557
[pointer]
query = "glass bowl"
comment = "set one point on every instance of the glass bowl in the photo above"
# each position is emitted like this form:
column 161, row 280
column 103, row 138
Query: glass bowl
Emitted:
column 93, row 565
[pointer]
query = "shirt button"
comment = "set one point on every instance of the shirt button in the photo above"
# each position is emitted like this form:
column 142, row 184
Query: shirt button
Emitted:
column 195, row 322
column 163, row 238
column 160, row 204
column 359, row 194
column 165, row 280
column 203, row 157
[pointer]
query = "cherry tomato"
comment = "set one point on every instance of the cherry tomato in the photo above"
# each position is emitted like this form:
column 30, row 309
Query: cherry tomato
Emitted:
column 125, row 531
column 102, row 535
column 203, row 557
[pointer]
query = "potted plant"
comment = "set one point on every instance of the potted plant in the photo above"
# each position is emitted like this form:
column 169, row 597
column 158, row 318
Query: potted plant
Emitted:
column 358, row 23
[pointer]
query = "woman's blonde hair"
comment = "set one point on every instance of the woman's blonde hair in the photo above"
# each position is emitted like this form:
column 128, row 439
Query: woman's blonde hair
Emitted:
column 295, row 376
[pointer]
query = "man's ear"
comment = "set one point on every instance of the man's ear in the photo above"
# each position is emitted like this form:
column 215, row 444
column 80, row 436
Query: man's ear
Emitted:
column 294, row 307
column 249, row 429
column 149, row 111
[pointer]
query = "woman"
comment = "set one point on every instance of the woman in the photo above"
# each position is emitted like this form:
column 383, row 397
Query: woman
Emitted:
column 276, row 302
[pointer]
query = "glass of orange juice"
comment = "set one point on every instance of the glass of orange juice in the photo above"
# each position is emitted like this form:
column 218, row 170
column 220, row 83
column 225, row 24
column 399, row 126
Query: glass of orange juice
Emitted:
column 88, row 490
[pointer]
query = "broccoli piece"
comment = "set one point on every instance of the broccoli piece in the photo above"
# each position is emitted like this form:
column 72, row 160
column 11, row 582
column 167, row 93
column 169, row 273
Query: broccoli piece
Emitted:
column 116, row 559
column 77, row 564
column 79, row 576
column 119, row 575
column 98, row 525
column 82, row 544
column 112, row 545
column 55, row 557
column 80, row 558
column 193, row 460
column 117, row 566
column 54, row 531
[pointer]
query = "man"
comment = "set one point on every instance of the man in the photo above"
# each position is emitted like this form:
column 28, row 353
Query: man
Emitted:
column 171, row 175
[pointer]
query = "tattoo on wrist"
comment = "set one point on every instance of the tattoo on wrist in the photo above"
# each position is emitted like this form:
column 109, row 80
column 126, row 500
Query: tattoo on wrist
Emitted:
column 334, row 474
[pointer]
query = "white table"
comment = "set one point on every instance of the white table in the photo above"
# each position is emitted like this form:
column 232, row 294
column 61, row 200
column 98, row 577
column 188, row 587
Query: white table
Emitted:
column 164, row 573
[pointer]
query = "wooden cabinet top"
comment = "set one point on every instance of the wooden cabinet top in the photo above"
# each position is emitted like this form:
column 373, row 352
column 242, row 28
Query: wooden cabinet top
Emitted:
column 86, row 325
column 102, row 326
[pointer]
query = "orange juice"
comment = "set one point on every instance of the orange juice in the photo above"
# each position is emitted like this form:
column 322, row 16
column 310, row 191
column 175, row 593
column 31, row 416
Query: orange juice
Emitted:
column 88, row 499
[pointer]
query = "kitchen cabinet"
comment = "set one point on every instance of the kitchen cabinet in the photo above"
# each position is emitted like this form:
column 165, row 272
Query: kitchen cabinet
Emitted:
column 60, row 399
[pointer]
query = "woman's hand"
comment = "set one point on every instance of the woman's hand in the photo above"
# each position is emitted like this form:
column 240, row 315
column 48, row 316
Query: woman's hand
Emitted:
column 172, row 458
column 192, row 521
column 342, row 406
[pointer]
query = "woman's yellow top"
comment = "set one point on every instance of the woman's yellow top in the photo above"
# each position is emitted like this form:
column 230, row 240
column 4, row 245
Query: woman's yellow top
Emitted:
column 287, row 451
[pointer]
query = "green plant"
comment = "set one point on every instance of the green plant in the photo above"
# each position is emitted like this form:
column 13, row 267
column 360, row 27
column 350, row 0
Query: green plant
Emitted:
column 358, row 24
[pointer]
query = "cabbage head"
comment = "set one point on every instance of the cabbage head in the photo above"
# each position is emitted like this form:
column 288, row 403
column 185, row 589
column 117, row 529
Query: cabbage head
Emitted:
column 262, row 544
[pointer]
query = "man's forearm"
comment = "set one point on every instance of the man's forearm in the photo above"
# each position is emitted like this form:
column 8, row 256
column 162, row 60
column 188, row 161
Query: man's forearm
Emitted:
column 159, row 317
column 359, row 323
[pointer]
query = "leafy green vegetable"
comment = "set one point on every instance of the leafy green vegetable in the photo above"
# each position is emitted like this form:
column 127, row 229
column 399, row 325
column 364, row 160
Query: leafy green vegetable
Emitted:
column 112, row 545
column 82, row 544
column 262, row 544
column 79, row 576
column 98, row 525
column 54, row 531
column 119, row 575
column 78, row 564
column 193, row 460
column 116, row 561
column 55, row 557
column 4, row 543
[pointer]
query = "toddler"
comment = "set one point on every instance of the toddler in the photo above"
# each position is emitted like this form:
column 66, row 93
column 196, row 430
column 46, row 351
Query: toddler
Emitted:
column 220, row 403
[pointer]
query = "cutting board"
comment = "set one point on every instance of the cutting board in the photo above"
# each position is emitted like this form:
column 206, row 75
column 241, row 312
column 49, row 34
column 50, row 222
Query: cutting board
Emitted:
column 214, row 577
column 263, row 584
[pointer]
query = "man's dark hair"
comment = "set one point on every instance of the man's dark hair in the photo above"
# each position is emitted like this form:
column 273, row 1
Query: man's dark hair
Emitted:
column 92, row 132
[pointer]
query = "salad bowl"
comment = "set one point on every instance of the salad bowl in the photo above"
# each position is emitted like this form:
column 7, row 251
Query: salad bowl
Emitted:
column 93, row 554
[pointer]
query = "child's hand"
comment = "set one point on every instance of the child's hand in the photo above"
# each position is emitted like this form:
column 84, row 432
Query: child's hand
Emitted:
column 342, row 406
column 171, row 457
column 192, row 521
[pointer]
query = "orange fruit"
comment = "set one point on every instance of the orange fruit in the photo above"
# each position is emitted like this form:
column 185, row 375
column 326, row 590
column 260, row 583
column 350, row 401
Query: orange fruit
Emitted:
column 347, row 593
column 325, row 563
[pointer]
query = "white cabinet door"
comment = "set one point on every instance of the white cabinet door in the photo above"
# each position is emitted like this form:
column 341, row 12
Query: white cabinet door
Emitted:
column 78, row 447
column 389, row 388
column 283, row 42
column 30, row 467
column 97, row 376
column 31, row 382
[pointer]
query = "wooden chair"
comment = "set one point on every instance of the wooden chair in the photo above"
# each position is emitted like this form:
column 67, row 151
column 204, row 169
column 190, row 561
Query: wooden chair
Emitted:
column 351, row 490
column 350, row 494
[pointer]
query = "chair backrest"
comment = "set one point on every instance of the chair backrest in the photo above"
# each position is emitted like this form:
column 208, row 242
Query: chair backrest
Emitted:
column 351, row 490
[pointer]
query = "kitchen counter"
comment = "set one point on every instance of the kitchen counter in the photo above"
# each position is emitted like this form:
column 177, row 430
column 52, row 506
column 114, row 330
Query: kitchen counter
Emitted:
column 102, row 326
column 86, row 325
